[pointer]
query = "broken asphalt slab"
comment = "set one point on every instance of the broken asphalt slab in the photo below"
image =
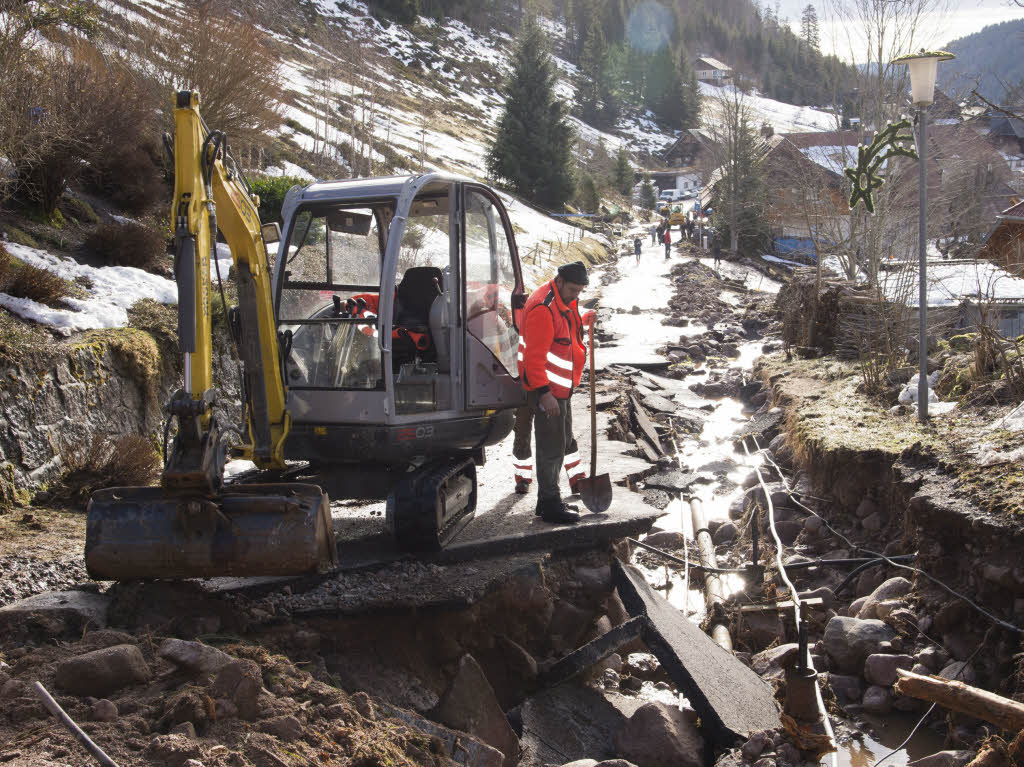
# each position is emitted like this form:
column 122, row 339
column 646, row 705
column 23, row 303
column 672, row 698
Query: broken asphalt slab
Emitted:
column 733, row 702
column 55, row 613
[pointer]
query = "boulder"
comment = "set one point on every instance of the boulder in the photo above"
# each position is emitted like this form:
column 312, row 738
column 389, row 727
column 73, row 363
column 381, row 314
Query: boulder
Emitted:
column 471, row 705
column 667, row 539
column 240, row 682
column 855, row 607
column 581, row 763
column 103, row 671
column 193, row 657
column 847, row 688
column 877, row 700
column 788, row 529
column 881, row 669
column 848, row 641
column 775, row 658
column 756, row 745
column 725, row 534
column 935, row 658
column 960, row 671
column 658, row 735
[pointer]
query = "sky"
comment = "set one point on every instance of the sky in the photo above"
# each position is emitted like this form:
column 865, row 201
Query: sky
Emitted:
column 963, row 17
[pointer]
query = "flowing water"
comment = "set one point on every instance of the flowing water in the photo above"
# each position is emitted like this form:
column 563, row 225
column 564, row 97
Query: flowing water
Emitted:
column 647, row 287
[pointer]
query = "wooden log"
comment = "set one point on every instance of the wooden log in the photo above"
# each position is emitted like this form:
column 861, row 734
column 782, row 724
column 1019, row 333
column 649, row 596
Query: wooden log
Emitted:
column 958, row 696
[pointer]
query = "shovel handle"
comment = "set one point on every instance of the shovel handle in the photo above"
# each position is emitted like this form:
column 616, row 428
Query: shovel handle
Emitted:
column 593, row 408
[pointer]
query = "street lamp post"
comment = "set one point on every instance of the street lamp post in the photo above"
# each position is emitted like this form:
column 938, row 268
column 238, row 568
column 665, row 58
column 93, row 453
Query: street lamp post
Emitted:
column 923, row 69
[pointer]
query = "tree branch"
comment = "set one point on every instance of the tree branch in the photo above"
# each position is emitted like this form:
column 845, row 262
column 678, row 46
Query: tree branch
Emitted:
column 1006, row 112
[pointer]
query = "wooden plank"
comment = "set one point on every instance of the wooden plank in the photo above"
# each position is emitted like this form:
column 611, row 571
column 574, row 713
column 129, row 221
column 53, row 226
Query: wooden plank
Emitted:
column 732, row 701
column 645, row 425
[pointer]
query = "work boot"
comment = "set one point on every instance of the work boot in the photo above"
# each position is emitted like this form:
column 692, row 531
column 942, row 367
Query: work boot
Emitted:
column 557, row 513
column 522, row 487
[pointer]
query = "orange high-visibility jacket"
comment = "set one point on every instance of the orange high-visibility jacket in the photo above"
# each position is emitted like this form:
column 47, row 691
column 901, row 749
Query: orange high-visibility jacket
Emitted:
column 551, row 350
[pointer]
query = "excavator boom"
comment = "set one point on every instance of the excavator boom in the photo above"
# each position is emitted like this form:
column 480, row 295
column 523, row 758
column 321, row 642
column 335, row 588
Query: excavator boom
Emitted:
column 191, row 526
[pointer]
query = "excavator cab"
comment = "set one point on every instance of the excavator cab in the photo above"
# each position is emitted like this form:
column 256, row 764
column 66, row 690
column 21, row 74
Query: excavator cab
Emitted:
column 394, row 299
column 379, row 340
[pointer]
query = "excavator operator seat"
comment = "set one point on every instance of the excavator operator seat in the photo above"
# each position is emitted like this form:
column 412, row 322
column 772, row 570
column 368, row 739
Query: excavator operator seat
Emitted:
column 415, row 295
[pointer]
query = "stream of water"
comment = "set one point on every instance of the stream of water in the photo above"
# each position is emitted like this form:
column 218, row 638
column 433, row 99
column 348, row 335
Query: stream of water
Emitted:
column 712, row 455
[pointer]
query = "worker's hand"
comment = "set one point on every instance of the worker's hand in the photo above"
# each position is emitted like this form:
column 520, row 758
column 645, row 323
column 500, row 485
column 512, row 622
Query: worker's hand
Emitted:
column 588, row 318
column 549, row 405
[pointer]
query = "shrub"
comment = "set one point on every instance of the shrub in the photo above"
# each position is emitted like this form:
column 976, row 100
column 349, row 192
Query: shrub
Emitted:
column 127, row 460
column 126, row 244
column 39, row 285
column 133, row 178
column 271, row 191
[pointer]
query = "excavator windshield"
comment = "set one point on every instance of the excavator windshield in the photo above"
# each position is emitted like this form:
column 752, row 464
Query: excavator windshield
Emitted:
column 329, row 295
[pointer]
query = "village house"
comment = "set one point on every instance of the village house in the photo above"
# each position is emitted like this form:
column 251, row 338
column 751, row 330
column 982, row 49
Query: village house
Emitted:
column 961, row 293
column 805, row 189
column 693, row 148
column 1004, row 245
column 712, row 70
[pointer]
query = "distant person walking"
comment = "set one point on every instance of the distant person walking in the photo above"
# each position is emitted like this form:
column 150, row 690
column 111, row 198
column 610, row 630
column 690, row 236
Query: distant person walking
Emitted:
column 654, row 234
column 637, row 245
column 716, row 250
column 667, row 239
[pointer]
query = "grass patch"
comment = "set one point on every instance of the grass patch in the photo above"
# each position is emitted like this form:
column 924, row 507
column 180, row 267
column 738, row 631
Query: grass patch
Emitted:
column 79, row 210
column 20, row 236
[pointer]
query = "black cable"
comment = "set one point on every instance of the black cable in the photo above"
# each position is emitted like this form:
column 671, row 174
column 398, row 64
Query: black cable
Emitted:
column 856, row 571
column 998, row 621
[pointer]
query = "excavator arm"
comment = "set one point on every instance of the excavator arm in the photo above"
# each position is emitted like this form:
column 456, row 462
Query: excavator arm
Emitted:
column 209, row 194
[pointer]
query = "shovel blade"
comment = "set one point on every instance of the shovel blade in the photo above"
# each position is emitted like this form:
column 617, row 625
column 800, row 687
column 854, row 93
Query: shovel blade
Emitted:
column 595, row 492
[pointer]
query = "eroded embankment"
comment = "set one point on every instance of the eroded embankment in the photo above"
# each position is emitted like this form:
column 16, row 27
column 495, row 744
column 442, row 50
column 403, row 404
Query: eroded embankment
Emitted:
column 893, row 486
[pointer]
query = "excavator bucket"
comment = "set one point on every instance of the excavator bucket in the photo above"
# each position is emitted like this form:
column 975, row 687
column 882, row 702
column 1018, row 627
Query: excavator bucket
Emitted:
column 245, row 530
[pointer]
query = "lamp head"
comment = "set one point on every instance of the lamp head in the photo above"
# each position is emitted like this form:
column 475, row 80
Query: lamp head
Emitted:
column 924, row 67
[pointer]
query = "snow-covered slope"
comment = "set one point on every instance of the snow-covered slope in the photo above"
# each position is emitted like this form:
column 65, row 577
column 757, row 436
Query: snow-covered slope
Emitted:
column 784, row 118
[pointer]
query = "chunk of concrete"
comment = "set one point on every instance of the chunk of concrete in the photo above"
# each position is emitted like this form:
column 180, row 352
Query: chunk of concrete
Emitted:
column 471, row 705
column 56, row 613
column 731, row 700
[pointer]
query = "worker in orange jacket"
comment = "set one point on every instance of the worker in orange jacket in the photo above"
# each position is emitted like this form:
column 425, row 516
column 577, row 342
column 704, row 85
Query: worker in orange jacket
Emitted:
column 551, row 357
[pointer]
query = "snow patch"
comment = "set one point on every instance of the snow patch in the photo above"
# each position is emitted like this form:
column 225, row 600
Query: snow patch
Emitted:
column 114, row 289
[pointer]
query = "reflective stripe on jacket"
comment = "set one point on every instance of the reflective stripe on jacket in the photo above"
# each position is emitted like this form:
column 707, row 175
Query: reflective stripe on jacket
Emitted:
column 551, row 350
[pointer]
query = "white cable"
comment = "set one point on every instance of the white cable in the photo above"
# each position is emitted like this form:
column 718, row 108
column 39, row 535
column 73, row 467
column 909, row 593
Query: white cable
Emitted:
column 795, row 596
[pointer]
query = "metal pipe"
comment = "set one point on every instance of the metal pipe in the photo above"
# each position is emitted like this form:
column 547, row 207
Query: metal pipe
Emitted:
column 922, row 244
column 714, row 588
column 54, row 708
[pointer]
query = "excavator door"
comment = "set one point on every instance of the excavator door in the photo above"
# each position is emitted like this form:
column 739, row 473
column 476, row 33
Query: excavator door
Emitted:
column 493, row 288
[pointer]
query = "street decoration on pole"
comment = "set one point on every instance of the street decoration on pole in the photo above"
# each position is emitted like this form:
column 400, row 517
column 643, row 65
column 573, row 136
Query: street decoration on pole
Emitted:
column 865, row 176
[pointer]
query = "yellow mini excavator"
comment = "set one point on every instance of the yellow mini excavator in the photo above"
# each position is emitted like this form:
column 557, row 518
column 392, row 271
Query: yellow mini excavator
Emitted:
column 380, row 337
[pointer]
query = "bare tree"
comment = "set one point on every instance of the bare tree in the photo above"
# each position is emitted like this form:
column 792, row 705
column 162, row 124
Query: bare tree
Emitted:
column 737, row 179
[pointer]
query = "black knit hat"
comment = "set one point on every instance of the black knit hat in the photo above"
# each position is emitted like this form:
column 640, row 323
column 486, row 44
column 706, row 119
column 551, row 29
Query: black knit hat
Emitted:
column 576, row 272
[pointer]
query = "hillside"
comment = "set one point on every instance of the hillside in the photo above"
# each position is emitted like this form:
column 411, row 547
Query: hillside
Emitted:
column 988, row 60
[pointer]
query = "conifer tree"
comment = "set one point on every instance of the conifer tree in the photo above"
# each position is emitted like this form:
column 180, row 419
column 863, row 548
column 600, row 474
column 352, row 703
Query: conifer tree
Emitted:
column 589, row 198
column 648, row 200
column 809, row 27
column 622, row 178
column 532, row 151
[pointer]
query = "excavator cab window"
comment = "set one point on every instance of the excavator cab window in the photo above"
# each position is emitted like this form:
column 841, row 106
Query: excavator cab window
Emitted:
column 329, row 295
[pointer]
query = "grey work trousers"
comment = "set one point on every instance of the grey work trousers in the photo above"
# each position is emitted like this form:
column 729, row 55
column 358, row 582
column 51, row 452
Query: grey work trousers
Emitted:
column 553, row 435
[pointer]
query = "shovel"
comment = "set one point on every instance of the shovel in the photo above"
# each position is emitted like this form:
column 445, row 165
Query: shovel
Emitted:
column 595, row 491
